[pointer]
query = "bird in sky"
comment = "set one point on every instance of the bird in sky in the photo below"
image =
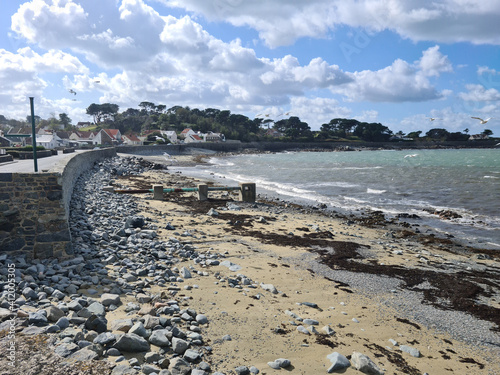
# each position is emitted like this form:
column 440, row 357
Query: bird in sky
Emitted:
column 481, row 120
column 72, row 91
column 433, row 118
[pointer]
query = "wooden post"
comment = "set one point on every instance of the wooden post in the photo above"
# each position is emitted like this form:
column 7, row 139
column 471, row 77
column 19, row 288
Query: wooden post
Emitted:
column 202, row 192
column 247, row 192
column 158, row 192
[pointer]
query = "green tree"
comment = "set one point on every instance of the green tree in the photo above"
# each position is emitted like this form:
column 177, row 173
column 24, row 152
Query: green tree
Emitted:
column 103, row 111
column 487, row 132
column 438, row 134
column 65, row 120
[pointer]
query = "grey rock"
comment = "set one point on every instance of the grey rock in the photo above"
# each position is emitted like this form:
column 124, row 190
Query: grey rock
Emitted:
column 185, row 273
column 408, row 349
column 83, row 355
column 159, row 338
column 201, row 319
column 110, row 299
column 339, row 362
column 191, row 355
column 138, row 329
column 269, row 287
column 97, row 308
column 96, row 323
column 54, row 313
column 364, row 364
column 179, row 366
column 63, row 322
column 242, row 370
column 179, row 345
column 104, row 338
column 149, row 369
column 130, row 342
column 29, row 293
column 38, row 318
column 124, row 370
column 123, row 325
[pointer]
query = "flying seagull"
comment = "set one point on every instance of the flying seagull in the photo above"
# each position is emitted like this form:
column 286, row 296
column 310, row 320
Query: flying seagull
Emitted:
column 481, row 120
column 72, row 91
column 433, row 118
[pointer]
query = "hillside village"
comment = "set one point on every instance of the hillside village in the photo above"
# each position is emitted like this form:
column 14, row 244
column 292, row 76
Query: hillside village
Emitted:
column 54, row 139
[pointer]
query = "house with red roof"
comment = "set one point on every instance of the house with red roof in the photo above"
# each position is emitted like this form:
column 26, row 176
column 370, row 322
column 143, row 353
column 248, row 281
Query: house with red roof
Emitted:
column 131, row 140
column 108, row 137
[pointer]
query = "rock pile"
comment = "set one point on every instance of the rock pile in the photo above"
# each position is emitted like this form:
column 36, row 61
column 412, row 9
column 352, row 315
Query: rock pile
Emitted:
column 117, row 255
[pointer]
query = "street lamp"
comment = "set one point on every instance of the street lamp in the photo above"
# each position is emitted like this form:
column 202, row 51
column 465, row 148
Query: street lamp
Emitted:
column 33, row 134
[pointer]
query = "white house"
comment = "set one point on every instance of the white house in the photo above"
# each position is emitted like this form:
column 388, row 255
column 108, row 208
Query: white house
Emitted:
column 49, row 141
column 193, row 138
column 131, row 139
column 170, row 134
column 186, row 133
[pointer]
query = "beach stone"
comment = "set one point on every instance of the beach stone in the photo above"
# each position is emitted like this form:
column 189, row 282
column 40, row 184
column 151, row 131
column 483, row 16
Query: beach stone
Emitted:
column 96, row 323
column 58, row 294
column 339, row 362
column 152, row 357
column 97, row 308
column 185, row 273
column 310, row 322
column 124, row 370
column 63, row 322
column 159, row 338
column 364, row 364
column 104, row 338
column 242, row 370
column 328, row 330
column 179, row 366
column 83, row 355
column 110, row 299
column 191, row 355
column 134, row 222
column 54, row 313
column 201, row 319
column 123, row 325
column 274, row 365
column 179, row 345
column 408, row 349
column 143, row 298
column 29, row 293
column 303, row 330
column 138, row 329
column 269, row 288
column 38, row 318
column 149, row 369
column 130, row 342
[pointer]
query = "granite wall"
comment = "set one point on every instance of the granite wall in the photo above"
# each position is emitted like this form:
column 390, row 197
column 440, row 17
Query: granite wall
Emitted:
column 34, row 208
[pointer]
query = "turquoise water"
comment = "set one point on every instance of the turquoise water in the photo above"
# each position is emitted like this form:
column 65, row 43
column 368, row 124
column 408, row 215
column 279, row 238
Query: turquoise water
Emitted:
column 466, row 181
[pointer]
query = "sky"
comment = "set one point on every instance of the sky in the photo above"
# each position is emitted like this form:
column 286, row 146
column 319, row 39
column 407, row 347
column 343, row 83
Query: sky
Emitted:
column 397, row 62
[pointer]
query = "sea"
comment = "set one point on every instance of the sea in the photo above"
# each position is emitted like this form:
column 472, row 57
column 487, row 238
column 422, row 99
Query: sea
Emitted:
column 414, row 182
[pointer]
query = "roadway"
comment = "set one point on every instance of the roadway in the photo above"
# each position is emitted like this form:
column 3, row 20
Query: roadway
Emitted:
column 54, row 163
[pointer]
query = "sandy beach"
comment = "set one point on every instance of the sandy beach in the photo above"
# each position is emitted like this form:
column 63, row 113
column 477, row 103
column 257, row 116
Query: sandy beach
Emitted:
column 286, row 246
column 298, row 283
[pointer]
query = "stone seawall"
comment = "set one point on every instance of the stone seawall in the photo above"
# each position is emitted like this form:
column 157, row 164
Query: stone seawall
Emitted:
column 34, row 208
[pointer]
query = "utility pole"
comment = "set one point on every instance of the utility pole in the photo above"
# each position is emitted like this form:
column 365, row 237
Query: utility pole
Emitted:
column 33, row 134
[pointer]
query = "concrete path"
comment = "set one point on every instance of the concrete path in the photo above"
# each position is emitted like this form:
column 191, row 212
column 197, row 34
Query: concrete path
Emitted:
column 49, row 164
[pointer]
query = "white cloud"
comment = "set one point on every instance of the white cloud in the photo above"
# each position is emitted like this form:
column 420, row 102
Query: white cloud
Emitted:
column 478, row 93
column 317, row 111
column 280, row 23
column 433, row 62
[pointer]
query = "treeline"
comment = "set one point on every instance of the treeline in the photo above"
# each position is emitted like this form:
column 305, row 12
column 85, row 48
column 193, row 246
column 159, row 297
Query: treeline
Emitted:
column 150, row 116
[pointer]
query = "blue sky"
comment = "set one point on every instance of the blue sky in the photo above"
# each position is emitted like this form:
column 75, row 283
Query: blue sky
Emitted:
column 398, row 62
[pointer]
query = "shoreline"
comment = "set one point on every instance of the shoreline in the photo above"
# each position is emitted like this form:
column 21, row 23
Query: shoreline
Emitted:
column 260, row 271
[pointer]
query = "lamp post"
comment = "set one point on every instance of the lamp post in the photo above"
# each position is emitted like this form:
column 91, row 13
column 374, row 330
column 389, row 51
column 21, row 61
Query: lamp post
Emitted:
column 33, row 134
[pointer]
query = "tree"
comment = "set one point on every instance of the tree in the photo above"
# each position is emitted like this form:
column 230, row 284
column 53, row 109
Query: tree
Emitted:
column 438, row 134
column 147, row 107
column 487, row 132
column 372, row 132
column 414, row 135
column 294, row 128
column 102, row 111
column 65, row 120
